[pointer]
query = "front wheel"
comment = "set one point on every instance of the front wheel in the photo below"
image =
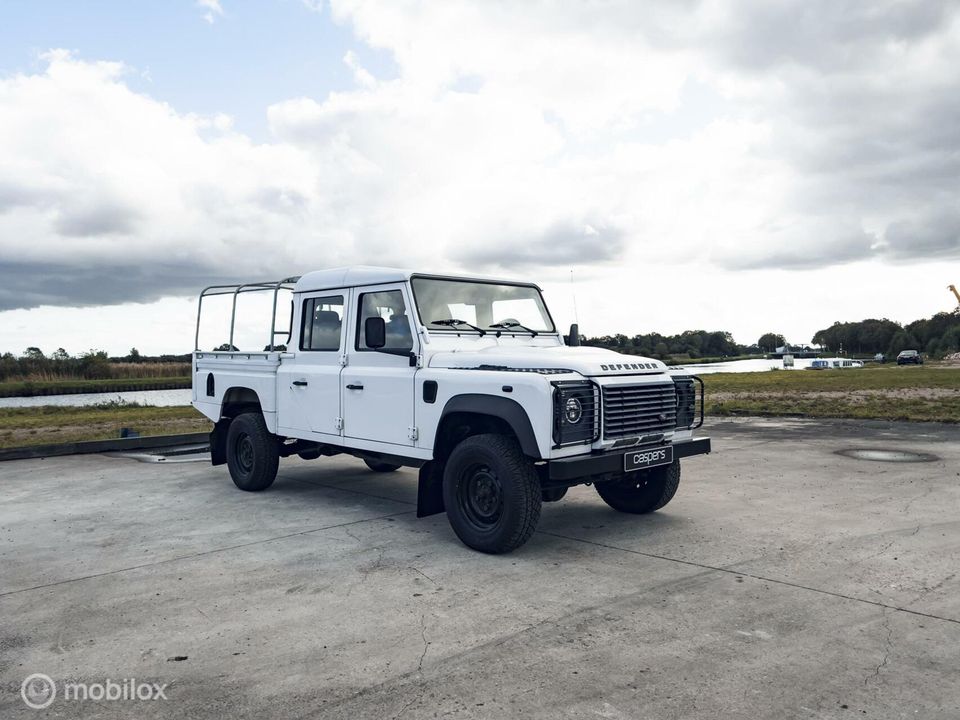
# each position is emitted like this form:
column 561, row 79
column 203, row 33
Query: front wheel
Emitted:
column 491, row 493
column 641, row 491
column 253, row 454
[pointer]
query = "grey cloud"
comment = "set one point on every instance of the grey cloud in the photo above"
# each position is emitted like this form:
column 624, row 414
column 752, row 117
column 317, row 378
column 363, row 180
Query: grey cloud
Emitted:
column 856, row 145
column 882, row 131
column 566, row 243
column 26, row 285
column 935, row 235
column 864, row 141
column 824, row 34
column 797, row 251
column 14, row 195
column 98, row 218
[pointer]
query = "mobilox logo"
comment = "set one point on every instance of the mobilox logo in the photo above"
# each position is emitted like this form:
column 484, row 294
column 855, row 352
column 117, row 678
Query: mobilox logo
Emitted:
column 39, row 690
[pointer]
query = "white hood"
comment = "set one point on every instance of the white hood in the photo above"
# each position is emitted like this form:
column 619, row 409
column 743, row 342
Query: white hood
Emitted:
column 588, row 361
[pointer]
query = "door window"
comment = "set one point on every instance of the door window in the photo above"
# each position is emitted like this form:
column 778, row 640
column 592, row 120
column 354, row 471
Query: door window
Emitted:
column 390, row 306
column 322, row 323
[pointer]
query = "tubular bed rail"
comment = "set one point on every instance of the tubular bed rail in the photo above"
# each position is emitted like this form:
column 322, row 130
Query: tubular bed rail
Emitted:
column 235, row 289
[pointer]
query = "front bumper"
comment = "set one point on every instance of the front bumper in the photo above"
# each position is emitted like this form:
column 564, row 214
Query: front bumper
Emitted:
column 604, row 463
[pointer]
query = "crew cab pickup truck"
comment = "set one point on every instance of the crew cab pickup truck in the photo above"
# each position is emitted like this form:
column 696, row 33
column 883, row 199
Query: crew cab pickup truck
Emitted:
column 466, row 379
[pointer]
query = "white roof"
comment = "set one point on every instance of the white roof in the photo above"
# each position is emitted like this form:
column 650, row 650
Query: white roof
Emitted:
column 358, row 275
column 349, row 277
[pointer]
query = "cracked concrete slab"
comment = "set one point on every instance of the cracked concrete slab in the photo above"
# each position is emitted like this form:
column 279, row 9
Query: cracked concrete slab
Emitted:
column 784, row 581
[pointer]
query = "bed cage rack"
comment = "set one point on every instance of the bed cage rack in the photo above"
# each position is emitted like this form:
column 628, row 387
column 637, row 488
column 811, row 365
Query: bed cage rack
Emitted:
column 236, row 289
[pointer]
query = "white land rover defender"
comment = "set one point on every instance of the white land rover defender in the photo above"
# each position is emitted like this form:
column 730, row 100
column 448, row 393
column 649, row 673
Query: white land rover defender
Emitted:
column 465, row 378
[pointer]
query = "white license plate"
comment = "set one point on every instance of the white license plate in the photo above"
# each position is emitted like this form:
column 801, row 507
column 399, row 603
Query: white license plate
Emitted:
column 652, row 457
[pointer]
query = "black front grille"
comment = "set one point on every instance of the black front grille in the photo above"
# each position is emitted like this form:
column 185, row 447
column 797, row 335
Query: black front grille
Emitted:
column 638, row 409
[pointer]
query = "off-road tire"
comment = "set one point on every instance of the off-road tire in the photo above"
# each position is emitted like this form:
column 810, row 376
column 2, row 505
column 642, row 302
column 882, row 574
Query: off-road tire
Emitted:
column 642, row 491
column 491, row 493
column 253, row 453
column 381, row 467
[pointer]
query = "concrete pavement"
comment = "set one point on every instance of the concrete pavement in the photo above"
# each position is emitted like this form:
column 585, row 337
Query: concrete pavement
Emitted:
column 784, row 581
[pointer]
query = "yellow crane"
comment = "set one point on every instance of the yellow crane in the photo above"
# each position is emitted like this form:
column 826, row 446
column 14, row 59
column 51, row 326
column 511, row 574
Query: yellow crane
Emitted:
column 955, row 292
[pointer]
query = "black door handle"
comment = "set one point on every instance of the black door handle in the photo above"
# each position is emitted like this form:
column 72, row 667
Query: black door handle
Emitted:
column 300, row 383
column 354, row 387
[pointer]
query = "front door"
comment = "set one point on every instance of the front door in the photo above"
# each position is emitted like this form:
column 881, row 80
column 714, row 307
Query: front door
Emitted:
column 309, row 383
column 378, row 385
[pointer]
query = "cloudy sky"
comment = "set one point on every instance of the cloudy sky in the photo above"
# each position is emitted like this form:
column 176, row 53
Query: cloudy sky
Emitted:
column 725, row 164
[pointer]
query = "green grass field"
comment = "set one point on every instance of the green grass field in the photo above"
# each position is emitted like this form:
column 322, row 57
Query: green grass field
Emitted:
column 928, row 393
column 871, row 377
column 21, row 427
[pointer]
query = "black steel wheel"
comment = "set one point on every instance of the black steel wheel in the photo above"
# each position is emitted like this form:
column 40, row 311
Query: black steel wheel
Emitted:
column 244, row 452
column 642, row 491
column 491, row 493
column 252, row 453
column 480, row 496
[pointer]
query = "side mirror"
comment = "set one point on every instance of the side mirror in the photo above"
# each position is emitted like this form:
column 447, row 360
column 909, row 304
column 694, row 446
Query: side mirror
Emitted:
column 574, row 340
column 375, row 332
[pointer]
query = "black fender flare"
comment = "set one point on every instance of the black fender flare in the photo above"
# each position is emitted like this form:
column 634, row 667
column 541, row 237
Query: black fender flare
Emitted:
column 430, row 481
column 506, row 409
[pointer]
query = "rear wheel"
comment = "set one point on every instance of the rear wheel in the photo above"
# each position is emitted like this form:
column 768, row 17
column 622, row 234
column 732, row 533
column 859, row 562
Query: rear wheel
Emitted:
column 642, row 491
column 252, row 453
column 381, row 467
column 491, row 493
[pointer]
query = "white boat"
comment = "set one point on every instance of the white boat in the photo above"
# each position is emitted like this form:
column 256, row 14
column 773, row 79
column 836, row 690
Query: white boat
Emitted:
column 834, row 364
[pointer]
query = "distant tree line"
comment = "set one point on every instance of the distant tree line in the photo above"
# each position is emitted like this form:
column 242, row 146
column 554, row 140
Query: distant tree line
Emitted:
column 33, row 364
column 936, row 336
column 693, row 343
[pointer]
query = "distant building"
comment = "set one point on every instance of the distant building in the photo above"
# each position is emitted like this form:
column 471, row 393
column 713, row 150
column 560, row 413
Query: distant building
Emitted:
column 798, row 351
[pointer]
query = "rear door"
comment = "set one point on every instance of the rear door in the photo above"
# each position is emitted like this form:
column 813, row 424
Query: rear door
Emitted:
column 378, row 385
column 309, row 382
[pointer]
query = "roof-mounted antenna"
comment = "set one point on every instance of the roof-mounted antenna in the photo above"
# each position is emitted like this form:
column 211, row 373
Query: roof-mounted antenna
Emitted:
column 574, row 336
column 573, row 293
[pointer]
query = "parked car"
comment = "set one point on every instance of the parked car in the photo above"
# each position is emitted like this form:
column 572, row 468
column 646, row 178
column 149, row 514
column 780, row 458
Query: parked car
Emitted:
column 467, row 379
column 909, row 357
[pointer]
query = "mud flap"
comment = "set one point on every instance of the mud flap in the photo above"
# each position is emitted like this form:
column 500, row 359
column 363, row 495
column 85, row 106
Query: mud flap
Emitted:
column 218, row 442
column 430, row 490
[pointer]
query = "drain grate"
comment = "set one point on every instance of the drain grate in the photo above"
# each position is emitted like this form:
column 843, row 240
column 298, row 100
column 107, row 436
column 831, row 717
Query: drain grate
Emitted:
column 895, row 456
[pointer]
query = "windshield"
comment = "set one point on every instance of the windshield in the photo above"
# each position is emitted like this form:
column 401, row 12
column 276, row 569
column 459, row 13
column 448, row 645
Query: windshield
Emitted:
column 494, row 307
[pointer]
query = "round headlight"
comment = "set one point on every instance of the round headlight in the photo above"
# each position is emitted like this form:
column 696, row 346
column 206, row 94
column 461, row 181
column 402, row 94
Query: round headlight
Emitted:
column 573, row 411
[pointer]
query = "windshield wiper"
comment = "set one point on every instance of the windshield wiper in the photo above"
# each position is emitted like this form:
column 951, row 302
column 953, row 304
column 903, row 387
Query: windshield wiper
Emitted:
column 506, row 325
column 451, row 322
